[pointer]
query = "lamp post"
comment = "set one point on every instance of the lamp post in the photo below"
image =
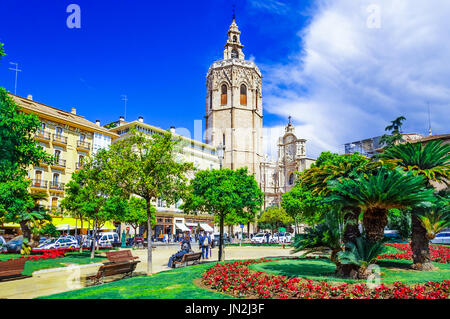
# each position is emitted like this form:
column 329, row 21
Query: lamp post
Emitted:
column 221, row 153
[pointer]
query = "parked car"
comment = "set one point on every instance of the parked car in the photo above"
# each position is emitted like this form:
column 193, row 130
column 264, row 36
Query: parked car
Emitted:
column 61, row 242
column 281, row 238
column 442, row 238
column 3, row 244
column 260, row 238
column 109, row 239
column 45, row 243
column 15, row 244
column 216, row 237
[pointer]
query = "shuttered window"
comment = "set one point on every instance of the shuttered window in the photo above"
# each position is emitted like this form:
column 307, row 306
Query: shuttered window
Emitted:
column 243, row 95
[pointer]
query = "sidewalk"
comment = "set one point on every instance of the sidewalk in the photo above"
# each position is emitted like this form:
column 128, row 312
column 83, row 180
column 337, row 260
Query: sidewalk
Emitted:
column 51, row 281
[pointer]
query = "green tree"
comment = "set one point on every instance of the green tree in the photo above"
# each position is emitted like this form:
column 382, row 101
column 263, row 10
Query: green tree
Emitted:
column 433, row 162
column 147, row 166
column 223, row 192
column 275, row 217
column 395, row 137
column 376, row 194
column 90, row 194
column 18, row 151
column 136, row 213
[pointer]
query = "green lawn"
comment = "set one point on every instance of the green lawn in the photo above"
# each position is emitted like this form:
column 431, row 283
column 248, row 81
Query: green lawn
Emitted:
column 323, row 270
column 9, row 256
column 171, row 284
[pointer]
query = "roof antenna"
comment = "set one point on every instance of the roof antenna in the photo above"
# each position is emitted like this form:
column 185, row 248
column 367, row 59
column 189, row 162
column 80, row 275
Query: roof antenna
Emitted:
column 124, row 98
column 429, row 120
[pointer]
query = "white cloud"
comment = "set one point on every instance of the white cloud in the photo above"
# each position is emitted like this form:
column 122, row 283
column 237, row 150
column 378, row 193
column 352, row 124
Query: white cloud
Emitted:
column 349, row 80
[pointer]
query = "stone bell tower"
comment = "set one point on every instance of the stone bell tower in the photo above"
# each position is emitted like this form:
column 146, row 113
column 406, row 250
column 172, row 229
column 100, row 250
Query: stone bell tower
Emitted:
column 234, row 108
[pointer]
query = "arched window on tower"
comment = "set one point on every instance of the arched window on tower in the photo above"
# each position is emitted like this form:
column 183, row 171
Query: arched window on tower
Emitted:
column 243, row 94
column 223, row 95
column 256, row 100
column 234, row 54
column 234, row 38
column 291, row 179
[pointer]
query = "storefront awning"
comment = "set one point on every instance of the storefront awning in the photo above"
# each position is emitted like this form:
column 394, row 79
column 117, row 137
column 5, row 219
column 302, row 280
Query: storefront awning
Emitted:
column 182, row 227
column 206, row 227
column 192, row 224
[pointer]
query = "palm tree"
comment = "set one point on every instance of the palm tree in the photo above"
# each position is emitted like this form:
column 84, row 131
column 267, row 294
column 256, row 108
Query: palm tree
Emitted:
column 318, row 180
column 376, row 194
column 395, row 128
column 433, row 162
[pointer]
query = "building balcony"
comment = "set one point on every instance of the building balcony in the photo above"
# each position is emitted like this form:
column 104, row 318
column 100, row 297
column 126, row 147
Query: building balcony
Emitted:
column 83, row 146
column 59, row 163
column 57, row 186
column 39, row 184
column 59, row 139
column 42, row 136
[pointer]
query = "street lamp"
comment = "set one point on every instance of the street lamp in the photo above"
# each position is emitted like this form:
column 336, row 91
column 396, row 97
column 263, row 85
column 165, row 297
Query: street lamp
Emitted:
column 221, row 153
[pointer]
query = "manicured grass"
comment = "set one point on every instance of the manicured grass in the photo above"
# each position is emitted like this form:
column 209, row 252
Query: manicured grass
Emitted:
column 323, row 270
column 172, row 284
column 73, row 258
column 9, row 256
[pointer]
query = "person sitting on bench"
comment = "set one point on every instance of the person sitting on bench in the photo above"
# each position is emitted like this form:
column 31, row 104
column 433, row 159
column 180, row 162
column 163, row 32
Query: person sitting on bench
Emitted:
column 179, row 255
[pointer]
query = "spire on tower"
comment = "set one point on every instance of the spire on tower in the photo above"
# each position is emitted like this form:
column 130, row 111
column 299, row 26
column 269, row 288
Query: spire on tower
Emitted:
column 233, row 47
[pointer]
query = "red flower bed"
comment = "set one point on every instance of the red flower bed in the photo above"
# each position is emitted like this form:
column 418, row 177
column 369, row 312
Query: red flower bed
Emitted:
column 236, row 279
column 438, row 253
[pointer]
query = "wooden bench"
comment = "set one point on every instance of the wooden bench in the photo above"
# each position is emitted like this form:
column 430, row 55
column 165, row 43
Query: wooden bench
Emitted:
column 117, row 256
column 192, row 257
column 112, row 269
column 12, row 268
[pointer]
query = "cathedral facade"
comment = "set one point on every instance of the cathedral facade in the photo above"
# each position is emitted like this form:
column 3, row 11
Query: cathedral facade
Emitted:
column 234, row 119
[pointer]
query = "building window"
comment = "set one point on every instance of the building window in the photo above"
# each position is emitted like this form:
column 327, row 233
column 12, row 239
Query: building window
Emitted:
column 55, row 179
column 223, row 139
column 224, row 95
column 210, row 99
column 291, row 179
column 234, row 38
column 82, row 137
column 57, row 155
column 59, row 131
column 256, row 100
column 54, row 202
column 234, row 54
column 243, row 95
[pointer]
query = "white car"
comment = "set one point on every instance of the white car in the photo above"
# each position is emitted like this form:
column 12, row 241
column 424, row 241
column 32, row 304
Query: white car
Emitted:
column 108, row 239
column 442, row 238
column 61, row 242
column 260, row 238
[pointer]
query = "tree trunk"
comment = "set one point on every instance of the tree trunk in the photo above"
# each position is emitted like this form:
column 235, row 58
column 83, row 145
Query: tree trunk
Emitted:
column 351, row 229
column 374, row 221
column 248, row 230
column 420, row 245
column 221, row 253
column 351, row 232
column 94, row 237
column 26, row 232
column 81, row 234
column 149, row 238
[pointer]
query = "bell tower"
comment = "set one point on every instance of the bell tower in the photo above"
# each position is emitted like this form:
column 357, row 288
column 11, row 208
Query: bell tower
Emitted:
column 234, row 108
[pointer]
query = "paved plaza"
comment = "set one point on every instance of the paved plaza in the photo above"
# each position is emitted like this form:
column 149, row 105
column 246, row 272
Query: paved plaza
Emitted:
column 56, row 280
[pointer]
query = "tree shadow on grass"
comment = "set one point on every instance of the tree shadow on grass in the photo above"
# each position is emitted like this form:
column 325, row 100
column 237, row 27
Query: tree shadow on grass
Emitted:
column 395, row 264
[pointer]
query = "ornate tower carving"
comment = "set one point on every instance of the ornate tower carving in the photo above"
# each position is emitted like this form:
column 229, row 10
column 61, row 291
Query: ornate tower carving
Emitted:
column 234, row 106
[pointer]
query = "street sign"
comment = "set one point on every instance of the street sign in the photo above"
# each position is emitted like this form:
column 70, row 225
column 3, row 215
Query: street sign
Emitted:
column 128, row 228
column 242, row 225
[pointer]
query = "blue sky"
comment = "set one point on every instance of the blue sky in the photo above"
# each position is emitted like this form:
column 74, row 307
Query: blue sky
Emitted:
column 341, row 69
column 155, row 52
